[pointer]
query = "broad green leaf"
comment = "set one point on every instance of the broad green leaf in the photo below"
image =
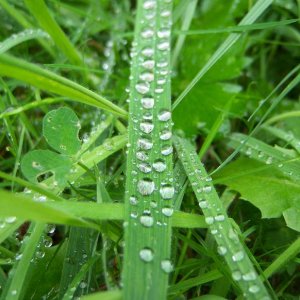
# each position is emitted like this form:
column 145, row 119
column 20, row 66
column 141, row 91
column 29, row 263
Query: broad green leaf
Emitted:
column 292, row 216
column 45, row 162
column 270, row 191
column 60, row 129
column 49, row 81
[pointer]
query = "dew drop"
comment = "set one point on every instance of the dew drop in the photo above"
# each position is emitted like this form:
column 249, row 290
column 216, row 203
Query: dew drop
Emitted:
column 164, row 116
column 133, row 200
column 167, row 191
column 166, row 266
column 147, row 77
column 146, row 127
column 159, row 166
column 144, row 144
column 148, row 52
column 141, row 155
column 269, row 160
column 222, row 250
column 146, row 220
column 148, row 64
column 254, row 289
column 164, row 33
column 203, row 204
column 148, row 33
column 220, row 218
column 145, row 186
column 10, row 220
column 165, row 13
column 236, row 275
column 142, row 87
column 149, row 4
column 144, row 167
column 147, row 103
column 249, row 276
column 167, row 150
column 238, row 256
column 167, row 211
column 165, row 135
column 163, row 46
column 207, row 189
column 146, row 255
column 209, row 220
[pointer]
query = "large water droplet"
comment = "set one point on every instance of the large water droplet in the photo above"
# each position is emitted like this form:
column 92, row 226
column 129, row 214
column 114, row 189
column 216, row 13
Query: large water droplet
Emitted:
column 150, row 4
column 203, row 204
column 148, row 52
column 146, row 220
column 147, row 77
column 148, row 64
column 144, row 167
column 164, row 115
column 167, row 150
column 165, row 135
column 222, row 250
column 146, row 186
column 147, row 103
column 146, row 127
column 144, row 144
column 220, row 218
column 163, row 46
column 142, row 88
column 249, row 276
column 167, row 191
column 209, row 220
column 146, row 255
column 133, row 200
column 238, row 256
column 141, row 155
column 147, row 33
column 159, row 166
column 254, row 289
column 207, row 189
column 164, row 33
column 167, row 211
column 166, row 266
column 236, row 275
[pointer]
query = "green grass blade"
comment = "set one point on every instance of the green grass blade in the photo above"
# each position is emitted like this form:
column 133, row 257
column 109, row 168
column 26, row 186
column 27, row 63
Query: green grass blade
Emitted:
column 49, row 81
column 149, row 187
column 14, row 287
column 40, row 11
column 229, row 245
column 110, row 295
column 21, row 37
column 256, row 11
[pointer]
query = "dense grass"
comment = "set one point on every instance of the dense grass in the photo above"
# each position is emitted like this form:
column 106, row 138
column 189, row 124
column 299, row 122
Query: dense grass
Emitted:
column 95, row 203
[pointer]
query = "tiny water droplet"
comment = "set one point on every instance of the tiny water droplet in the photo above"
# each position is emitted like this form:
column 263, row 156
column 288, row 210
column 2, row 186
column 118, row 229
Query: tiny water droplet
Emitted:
column 236, row 275
column 203, row 204
column 133, row 200
column 238, row 256
column 209, row 220
column 254, row 289
column 222, row 250
column 249, row 276
column 166, row 266
column 167, row 211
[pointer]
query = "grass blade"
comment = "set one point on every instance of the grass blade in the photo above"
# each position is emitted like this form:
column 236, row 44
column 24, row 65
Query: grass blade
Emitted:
column 46, row 80
column 229, row 245
column 40, row 11
column 148, row 203
column 256, row 11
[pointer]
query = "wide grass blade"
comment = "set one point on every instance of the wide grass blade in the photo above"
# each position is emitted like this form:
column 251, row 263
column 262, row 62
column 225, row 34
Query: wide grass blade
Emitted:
column 256, row 11
column 49, row 81
column 149, row 185
column 229, row 245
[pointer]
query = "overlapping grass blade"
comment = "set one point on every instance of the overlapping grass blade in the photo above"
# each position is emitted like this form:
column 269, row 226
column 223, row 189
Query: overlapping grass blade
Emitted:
column 49, row 81
column 229, row 245
column 256, row 11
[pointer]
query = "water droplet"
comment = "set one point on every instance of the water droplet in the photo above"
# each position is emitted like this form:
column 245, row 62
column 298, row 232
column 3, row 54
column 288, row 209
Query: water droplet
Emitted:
column 147, row 103
column 14, row 292
column 164, row 115
column 148, row 64
column 10, row 220
column 133, row 200
column 167, row 150
column 269, row 160
column 146, row 220
column 222, row 250
column 148, row 52
column 165, row 13
column 209, row 220
column 144, row 167
column 145, row 186
column 249, row 276
column 166, row 266
column 165, row 135
column 147, row 77
column 145, row 144
column 238, row 256
column 18, row 256
column 167, row 211
column 220, row 218
column 167, row 191
column 83, row 285
column 159, row 166
column 146, row 127
column 207, row 189
column 203, row 204
column 142, row 87
column 236, row 275
column 164, row 33
column 147, row 33
column 146, row 255
column 254, row 289
column 163, row 46
column 141, row 155
column 149, row 4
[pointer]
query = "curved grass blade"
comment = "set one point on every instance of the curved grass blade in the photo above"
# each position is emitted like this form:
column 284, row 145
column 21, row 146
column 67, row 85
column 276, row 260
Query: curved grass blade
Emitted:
column 256, row 11
column 40, row 11
column 21, row 37
column 49, row 81
column 229, row 245
column 149, row 185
